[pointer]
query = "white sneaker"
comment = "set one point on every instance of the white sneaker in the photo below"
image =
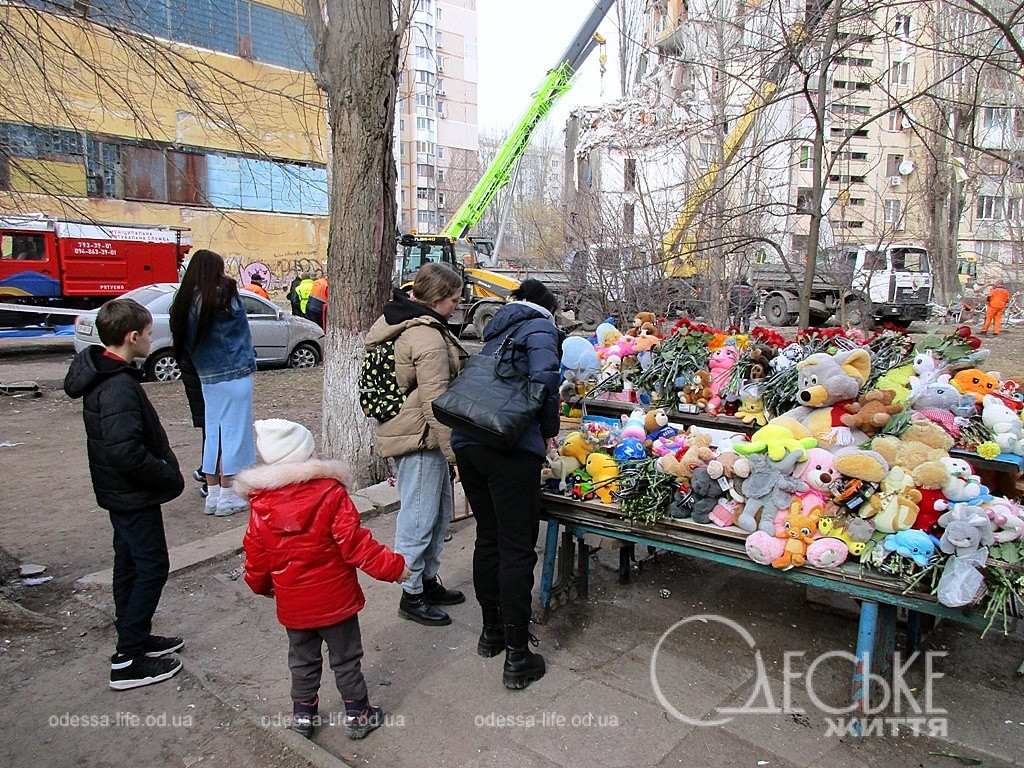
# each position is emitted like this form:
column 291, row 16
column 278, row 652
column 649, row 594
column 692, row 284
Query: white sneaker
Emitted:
column 212, row 500
column 230, row 503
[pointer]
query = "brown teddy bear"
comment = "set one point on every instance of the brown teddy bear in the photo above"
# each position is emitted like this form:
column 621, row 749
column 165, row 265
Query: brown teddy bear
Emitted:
column 697, row 454
column 696, row 391
column 870, row 412
column 642, row 319
column 920, row 450
column 760, row 363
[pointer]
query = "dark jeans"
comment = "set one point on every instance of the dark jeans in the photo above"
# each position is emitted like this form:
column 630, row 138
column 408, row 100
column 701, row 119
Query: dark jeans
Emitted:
column 140, row 572
column 344, row 652
column 503, row 488
column 315, row 311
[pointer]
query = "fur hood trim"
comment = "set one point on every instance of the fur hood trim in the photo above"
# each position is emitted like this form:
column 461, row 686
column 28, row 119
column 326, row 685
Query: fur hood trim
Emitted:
column 267, row 477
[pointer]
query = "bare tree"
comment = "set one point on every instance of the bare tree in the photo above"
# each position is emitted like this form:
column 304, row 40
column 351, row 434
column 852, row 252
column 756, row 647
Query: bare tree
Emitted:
column 357, row 46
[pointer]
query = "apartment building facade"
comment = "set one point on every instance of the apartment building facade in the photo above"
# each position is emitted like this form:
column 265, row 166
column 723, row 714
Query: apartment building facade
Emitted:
column 437, row 132
column 195, row 113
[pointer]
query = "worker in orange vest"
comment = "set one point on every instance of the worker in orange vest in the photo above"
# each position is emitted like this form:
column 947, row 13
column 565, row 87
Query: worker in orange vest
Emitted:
column 256, row 285
column 995, row 304
column 316, row 307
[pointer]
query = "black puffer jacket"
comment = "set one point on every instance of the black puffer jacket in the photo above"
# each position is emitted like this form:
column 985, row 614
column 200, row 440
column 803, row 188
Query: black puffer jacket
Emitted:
column 130, row 460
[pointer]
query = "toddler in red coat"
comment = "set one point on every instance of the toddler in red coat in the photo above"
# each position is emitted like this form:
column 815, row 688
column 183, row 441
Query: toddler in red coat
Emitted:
column 303, row 546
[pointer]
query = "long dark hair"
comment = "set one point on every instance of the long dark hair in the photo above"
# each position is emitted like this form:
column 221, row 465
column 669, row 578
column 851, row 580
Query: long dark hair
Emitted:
column 205, row 282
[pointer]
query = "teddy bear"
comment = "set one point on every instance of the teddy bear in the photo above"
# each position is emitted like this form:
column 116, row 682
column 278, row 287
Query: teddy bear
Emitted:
column 694, row 391
column 656, row 425
column 870, row 412
column 1004, row 424
column 823, row 382
column 641, row 320
column 966, row 528
column 817, row 471
column 760, row 363
column 726, row 469
column 797, row 535
column 721, row 363
column 682, row 464
column 962, row 485
column 921, row 450
column 976, row 382
column 647, row 339
column 698, row 501
column 768, row 486
column 894, row 508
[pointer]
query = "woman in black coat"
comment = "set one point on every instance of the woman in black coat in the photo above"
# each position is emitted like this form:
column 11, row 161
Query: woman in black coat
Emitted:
column 503, row 487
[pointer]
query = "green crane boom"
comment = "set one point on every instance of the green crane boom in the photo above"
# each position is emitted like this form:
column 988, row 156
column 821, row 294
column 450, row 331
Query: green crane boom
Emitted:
column 502, row 167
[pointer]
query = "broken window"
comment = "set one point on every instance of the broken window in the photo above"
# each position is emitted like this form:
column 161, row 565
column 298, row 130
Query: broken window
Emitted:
column 629, row 175
column 628, row 214
column 186, row 178
column 145, row 174
column 804, row 197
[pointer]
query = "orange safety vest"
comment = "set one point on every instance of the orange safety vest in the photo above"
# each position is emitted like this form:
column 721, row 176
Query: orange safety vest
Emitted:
column 319, row 290
column 259, row 290
column 998, row 298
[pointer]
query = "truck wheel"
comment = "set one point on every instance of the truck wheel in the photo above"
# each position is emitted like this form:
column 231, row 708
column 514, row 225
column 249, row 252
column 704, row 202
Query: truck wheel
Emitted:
column 482, row 318
column 776, row 311
column 162, row 366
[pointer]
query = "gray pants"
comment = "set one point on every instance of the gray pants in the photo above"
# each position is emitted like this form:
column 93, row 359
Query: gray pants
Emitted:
column 344, row 650
column 425, row 488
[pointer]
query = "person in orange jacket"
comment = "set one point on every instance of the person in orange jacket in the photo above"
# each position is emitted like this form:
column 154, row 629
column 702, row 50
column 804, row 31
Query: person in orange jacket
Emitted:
column 316, row 307
column 995, row 304
column 256, row 285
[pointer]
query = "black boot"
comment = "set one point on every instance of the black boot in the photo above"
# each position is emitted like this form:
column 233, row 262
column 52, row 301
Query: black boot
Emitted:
column 522, row 666
column 435, row 593
column 492, row 638
column 415, row 608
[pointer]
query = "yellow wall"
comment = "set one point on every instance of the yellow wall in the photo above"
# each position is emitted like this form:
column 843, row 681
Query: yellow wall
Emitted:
column 241, row 106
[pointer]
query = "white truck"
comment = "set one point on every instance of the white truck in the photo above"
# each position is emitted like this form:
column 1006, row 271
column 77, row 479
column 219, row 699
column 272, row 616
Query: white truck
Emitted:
column 888, row 283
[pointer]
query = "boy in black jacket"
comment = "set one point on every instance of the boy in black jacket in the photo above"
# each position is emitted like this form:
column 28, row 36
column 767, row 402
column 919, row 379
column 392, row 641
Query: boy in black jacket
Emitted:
column 133, row 472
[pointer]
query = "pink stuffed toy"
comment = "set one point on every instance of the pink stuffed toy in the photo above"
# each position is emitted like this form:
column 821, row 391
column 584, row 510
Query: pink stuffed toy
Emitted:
column 818, row 474
column 721, row 364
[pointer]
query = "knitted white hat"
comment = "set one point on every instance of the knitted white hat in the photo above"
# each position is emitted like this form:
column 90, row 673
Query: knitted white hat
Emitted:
column 279, row 441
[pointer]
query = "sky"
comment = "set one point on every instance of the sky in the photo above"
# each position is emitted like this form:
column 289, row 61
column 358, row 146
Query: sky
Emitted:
column 518, row 42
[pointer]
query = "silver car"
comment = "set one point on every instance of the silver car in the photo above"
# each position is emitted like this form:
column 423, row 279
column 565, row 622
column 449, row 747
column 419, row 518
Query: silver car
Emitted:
column 278, row 336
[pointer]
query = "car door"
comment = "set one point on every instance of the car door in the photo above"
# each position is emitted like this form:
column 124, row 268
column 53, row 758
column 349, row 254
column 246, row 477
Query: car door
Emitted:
column 269, row 334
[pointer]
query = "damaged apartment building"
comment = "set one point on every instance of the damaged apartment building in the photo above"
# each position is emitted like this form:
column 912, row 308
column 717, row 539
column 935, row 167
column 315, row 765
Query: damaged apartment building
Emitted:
column 633, row 165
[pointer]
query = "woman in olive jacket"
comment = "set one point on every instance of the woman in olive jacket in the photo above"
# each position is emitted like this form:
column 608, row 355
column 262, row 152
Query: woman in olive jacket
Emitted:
column 427, row 358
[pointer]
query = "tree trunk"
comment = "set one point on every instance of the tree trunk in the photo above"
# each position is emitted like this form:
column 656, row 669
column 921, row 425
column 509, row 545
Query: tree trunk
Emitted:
column 357, row 46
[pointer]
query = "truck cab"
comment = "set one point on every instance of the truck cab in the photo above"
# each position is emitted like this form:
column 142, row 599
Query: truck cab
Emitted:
column 893, row 282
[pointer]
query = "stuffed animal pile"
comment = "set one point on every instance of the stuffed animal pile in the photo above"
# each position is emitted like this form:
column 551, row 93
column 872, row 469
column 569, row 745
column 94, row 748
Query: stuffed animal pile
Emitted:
column 859, row 466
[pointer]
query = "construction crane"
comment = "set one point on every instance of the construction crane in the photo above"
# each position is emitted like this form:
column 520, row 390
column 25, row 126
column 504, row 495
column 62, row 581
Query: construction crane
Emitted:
column 487, row 288
column 679, row 247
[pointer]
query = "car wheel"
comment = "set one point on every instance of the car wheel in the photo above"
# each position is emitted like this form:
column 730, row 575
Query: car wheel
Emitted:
column 305, row 355
column 163, row 367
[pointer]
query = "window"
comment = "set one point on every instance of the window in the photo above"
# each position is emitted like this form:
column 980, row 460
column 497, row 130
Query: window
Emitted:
column 22, row 248
column 892, row 164
column 425, row 170
column 707, row 153
column 254, row 306
column 994, row 117
column 894, row 120
column 440, row 151
column 1014, row 209
column 850, row 109
column 440, row 175
column 440, row 63
column 628, row 216
column 423, row 52
column 901, row 25
column 422, row 76
column 145, row 174
column 853, row 61
column 846, row 156
column 853, row 224
column 425, row 147
column 424, row 124
column 842, row 178
column 989, row 208
column 424, row 193
column 440, row 199
column 859, row 133
column 909, row 259
column 186, row 178
column 803, row 200
column 893, row 209
column 424, row 100
column 900, row 73
column 629, row 175
column 440, row 41
column 806, row 159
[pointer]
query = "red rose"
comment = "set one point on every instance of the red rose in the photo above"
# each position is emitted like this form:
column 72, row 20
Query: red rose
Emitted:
column 974, row 342
column 964, row 332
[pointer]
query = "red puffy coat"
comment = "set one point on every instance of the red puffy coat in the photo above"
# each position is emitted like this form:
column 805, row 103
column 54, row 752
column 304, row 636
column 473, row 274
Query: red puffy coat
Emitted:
column 304, row 543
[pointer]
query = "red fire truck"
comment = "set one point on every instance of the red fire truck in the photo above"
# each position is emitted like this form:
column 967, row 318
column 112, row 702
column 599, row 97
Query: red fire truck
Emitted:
column 46, row 261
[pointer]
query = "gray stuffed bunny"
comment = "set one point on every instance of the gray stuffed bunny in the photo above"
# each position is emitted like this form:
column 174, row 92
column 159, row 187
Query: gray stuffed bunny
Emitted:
column 768, row 489
column 966, row 529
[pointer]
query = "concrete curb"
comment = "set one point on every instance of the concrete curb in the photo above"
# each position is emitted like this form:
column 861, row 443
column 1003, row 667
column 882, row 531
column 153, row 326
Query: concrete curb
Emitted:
column 184, row 556
column 313, row 753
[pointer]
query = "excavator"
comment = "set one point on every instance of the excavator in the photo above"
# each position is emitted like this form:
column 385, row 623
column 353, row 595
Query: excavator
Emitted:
column 486, row 289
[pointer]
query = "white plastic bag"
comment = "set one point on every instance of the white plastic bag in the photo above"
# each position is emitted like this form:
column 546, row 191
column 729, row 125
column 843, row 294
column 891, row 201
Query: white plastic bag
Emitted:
column 961, row 582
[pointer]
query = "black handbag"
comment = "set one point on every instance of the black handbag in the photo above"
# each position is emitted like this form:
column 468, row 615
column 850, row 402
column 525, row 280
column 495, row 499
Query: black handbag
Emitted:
column 491, row 400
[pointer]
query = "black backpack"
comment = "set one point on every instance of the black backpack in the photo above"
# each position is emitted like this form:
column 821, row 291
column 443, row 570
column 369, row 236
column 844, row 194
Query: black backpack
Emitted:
column 379, row 394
